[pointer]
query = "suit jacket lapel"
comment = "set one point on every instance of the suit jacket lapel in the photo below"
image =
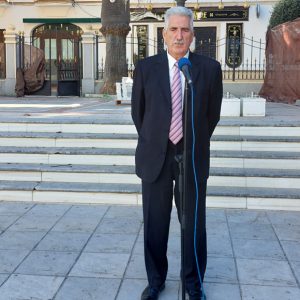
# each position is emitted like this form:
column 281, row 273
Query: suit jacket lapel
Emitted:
column 162, row 72
column 195, row 68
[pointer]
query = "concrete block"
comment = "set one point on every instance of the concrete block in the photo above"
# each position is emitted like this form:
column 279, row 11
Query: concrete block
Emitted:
column 253, row 107
column 231, row 107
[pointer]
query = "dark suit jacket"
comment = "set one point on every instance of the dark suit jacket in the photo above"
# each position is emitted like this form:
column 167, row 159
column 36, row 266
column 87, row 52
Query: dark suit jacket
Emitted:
column 152, row 112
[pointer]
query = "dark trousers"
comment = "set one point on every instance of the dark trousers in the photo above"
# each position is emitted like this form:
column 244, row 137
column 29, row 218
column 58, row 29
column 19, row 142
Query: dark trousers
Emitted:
column 157, row 206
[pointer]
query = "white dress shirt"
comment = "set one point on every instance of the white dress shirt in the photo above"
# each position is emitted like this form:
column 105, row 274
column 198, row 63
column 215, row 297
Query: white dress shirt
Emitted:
column 172, row 61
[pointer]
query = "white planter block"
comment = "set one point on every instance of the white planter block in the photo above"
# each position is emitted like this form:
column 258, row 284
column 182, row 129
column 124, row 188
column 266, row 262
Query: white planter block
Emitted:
column 253, row 107
column 231, row 107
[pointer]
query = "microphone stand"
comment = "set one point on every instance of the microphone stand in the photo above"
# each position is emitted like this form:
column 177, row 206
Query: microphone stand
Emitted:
column 182, row 163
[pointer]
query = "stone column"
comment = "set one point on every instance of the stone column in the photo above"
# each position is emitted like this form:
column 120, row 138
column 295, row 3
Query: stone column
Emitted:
column 88, row 63
column 10, row 37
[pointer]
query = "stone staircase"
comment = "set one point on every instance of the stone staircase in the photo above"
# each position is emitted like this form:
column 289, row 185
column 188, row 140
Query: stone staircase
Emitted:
column 252, row 166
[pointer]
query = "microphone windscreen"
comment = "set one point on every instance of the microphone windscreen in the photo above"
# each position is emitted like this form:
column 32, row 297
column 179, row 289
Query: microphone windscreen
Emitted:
column 184, row 62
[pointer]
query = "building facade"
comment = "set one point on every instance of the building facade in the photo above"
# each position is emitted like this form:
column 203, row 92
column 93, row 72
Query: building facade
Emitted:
column 68, row 32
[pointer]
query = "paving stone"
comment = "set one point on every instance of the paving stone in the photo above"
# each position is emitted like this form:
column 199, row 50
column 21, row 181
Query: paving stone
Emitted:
column 135, row 212
column 174, row 226
column 174, row 267
column 3, row 277
column 33, row 223
column 292, row 249
column 174, row 245
column 13, row 208
column 79, row 288
column 252, row 231
column 138, row 248
column 121, row 225
column 256, row 292
column 220, row 291
column 296, row 268
column 265, row 272
column 20, row 240
column 105, row 265
column 131, row 289
column 288, row 232
column 247, row 216
column 219, row 246
column 87, row 211
column 30, row 287
column 48, row 210
column 284, row 217
column 63, row 241
column 215, row 216
column 6, row 221
column 10, row 259
column 111, row 243
column 75, row 224
column 257, row 249
column 218, row 230
column 136, row 268
column 47, row 263
column 220, row 270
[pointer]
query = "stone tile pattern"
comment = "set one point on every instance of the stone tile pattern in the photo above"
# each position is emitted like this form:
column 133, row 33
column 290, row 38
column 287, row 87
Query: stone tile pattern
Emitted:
column 70, row 252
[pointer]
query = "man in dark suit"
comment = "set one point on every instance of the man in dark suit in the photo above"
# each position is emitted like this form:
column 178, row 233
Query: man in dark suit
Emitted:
column 153, row 113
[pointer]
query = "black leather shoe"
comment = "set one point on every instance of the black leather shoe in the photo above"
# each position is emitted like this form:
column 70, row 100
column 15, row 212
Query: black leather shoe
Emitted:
column 151, row 293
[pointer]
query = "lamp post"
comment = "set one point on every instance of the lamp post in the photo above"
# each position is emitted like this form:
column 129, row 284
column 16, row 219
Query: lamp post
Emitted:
column 180, row 2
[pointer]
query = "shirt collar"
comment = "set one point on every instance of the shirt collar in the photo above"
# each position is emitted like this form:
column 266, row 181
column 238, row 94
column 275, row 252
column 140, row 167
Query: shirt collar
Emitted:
column 172, row 60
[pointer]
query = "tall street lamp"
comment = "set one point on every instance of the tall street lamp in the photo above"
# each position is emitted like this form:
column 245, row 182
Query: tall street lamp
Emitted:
column 180, row 2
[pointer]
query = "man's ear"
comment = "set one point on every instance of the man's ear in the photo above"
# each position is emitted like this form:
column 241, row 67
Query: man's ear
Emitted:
column 164, row 33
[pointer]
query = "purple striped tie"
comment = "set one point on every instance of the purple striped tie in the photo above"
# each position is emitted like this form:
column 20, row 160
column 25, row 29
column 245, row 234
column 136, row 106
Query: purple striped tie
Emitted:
column 176, row 133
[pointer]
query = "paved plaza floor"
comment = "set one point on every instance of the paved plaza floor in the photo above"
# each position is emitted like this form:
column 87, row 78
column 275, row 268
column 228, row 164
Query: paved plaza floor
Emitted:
column 82, row 252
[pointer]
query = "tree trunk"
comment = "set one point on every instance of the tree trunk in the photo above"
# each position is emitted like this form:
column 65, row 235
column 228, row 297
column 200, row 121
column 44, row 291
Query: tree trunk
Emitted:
column 115, row 27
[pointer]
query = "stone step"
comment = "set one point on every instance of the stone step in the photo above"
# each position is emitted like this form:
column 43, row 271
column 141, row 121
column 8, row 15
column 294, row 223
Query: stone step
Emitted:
column 106, row 140
column 131, row 194
column 126, row 175
column 117, row 156
column 243, row 127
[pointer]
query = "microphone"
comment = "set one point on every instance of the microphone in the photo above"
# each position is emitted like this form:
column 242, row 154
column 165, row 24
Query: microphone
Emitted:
column 184, row 65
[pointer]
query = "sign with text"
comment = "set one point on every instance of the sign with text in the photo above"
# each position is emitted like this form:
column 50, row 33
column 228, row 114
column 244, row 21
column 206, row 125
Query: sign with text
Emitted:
column 241, row 14
column 234, row 44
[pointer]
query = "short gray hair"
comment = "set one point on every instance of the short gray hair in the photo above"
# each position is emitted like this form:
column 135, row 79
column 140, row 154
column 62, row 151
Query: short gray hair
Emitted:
column 179, row 11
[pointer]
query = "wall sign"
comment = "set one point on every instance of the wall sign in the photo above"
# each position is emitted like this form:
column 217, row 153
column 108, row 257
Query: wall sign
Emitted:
column 226, row 14
column 234, row 34
column 142, row 36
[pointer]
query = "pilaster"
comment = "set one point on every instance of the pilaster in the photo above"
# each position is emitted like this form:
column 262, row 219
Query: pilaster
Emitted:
column 10, row 38
column 88, row 62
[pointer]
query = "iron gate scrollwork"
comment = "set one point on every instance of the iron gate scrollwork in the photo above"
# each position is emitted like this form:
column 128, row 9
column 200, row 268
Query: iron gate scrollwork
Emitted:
column 62, row 46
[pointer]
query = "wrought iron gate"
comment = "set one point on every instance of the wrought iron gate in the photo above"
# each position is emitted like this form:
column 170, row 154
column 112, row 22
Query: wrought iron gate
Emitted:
column 61, row 44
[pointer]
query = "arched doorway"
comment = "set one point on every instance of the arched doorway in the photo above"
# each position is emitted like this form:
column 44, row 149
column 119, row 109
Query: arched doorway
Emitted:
column 61, row 44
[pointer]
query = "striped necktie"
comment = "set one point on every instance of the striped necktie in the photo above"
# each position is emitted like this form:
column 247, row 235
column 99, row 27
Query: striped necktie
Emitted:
column 176, row 133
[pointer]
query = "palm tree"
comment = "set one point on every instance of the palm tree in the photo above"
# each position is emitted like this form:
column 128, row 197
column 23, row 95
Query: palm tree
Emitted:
column 115, row 18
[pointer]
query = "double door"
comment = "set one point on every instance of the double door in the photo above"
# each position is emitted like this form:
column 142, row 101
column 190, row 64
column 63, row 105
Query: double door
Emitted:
column 62, row 49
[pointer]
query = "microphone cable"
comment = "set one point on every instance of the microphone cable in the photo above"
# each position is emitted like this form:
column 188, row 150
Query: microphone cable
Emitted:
column 203, row 296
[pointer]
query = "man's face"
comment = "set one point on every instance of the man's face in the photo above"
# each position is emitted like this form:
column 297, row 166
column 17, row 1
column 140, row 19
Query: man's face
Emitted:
column 178, row 36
